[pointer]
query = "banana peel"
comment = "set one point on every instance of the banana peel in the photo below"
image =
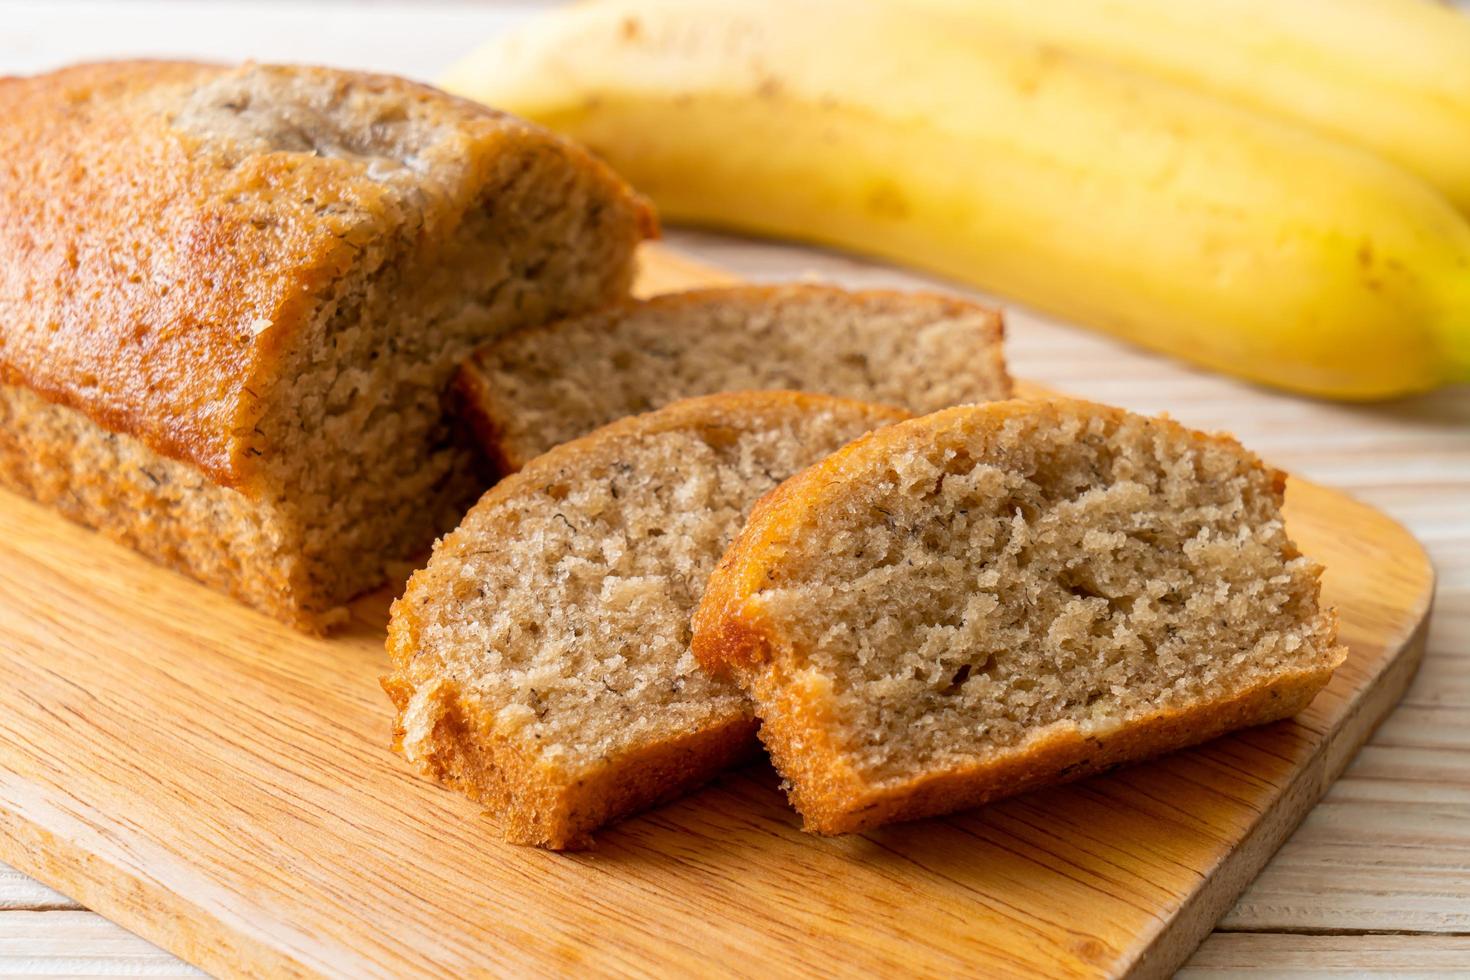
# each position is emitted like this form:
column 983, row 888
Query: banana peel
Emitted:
column 1389, row 75
column 1106, row 196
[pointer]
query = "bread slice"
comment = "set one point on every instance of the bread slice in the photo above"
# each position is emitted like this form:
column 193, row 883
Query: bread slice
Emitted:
column 232, row 300
column 541, row 386
column 991, row 598
column 541, row 660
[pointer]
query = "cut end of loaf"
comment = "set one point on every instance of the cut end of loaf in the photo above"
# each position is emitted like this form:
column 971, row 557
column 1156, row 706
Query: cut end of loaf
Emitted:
column 989, row 598
column 541, row 659
column 355, row 440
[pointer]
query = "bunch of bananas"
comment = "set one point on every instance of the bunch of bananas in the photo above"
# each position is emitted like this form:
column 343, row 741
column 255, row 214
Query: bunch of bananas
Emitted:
column 1275, row 190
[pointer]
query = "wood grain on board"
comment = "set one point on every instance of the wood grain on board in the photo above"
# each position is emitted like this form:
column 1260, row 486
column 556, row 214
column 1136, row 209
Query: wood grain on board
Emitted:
column 220, row 785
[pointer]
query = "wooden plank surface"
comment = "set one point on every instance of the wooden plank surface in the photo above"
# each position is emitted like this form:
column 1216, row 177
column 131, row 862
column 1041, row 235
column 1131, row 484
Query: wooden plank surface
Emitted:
column 79, row 944
column 1278, row 956
column 1412, row 459
column 220, row 784
column 20, row 892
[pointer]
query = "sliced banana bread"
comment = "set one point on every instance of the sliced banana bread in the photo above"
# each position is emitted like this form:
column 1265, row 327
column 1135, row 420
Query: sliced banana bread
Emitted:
column 541, row 660
column 990, row 598
column 541, row 386
column 231, row 301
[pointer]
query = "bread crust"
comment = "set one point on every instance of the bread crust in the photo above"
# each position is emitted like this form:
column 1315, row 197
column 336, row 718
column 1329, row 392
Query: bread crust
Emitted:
column 444, row 729
column 184, row 247
column 833, row 800
column 153, row 275
column 473, row 402
column 488, row 411
column 462, row 751
column 732, row 636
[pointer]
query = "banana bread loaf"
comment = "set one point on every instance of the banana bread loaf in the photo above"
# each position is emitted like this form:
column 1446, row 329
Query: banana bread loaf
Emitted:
column 548, row 384
column 987, row 599
column 231, row 301
column 541, row 660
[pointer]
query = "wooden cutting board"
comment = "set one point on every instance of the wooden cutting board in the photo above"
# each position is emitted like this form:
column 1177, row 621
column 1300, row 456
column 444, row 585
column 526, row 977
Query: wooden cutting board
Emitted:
column 221, row 785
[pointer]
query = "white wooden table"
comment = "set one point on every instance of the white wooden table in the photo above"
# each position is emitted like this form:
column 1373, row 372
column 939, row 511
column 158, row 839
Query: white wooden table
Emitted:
column 1375, row 882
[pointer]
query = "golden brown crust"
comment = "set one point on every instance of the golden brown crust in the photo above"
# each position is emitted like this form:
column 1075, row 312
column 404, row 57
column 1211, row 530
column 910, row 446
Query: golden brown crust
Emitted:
column 731, row 636
column 470, row 402
column 834, row 801
column 194, row 256
column 154, row 274
column 453, row 735
column 541, row 807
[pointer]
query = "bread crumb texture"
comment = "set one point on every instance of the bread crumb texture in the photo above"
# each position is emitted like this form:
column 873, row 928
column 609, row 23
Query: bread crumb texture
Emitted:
column 990, row 598
column 544, row 385
column 266, row 275
column 541, row 659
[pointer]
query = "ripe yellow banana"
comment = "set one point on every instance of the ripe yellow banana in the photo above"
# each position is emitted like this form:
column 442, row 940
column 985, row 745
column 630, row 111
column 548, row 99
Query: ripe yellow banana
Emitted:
column 1390, row 75
column 1108, row 197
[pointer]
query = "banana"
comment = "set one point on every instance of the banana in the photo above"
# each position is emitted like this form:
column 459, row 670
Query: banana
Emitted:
column 1106, row 196
column 1390, row 75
